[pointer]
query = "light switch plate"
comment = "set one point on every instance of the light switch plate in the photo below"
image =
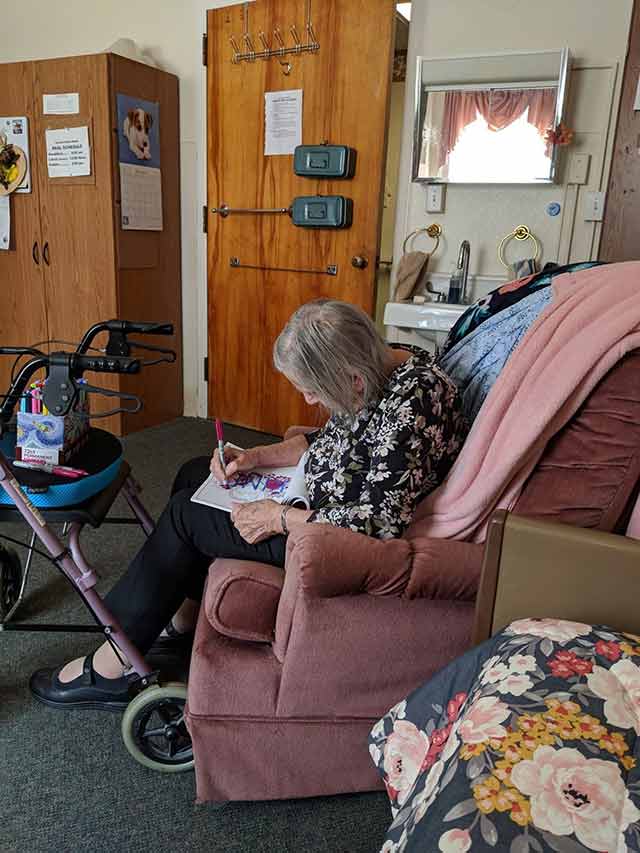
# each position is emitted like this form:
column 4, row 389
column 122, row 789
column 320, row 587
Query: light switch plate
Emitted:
column 578, row 168
column 594, row 206
column 435, row 198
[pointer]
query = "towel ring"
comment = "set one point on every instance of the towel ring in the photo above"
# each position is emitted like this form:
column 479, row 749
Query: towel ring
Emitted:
column 522, row 232
column 434, row 231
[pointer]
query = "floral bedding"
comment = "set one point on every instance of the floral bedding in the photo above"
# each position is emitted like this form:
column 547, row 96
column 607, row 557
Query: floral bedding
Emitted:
column 527, row 743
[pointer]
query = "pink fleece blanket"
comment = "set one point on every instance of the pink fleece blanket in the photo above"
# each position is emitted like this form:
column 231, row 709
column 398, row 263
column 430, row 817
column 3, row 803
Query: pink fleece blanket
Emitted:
column 592, row 321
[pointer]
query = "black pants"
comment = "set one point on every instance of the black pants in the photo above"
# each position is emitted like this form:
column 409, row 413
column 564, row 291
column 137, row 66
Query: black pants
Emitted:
column 172, row 564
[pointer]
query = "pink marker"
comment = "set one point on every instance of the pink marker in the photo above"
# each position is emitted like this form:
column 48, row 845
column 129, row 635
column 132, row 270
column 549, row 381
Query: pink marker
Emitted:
column 220, row 437
column 58, row 470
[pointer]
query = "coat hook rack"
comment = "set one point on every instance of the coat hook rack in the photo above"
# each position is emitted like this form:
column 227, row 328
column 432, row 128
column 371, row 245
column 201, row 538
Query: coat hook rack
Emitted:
column 246, row 52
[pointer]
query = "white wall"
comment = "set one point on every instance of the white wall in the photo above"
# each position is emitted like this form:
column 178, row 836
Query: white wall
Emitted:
column 169, row 30
column 596, row 34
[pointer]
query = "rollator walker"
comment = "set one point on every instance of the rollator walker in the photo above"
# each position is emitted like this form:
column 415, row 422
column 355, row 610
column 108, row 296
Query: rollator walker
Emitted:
column 153, row 726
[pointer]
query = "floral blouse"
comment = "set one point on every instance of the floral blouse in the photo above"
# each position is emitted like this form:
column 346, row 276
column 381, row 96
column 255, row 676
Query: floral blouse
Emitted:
column 369, row 472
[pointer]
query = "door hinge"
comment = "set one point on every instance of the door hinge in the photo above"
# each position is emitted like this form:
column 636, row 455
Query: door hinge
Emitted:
column 206, row 368
column 205, row 48
column 205, row 219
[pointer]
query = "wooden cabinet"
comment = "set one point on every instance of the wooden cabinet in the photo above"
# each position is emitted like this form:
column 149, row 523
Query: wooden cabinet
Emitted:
column 70, row 264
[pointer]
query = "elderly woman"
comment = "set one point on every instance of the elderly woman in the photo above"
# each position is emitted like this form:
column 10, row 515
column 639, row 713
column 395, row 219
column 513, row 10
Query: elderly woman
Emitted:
column 395, row 430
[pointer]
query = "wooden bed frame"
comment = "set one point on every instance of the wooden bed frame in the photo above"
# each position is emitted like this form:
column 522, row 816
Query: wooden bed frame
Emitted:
column 537, row 569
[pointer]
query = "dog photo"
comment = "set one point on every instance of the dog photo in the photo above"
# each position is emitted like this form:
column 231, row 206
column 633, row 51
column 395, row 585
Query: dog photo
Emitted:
column 138, row 131
column 136, row 128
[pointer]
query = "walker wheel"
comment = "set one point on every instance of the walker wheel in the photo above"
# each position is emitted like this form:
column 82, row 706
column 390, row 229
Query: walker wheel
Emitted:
column 10, row 579
column 154, row 729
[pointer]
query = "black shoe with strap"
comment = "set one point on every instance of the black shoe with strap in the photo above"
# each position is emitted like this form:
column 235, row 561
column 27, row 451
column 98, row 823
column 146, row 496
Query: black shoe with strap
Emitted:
column 89, row 690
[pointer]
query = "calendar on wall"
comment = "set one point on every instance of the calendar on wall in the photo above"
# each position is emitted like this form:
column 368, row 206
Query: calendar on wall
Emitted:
column 141, row 198
column 139, row 161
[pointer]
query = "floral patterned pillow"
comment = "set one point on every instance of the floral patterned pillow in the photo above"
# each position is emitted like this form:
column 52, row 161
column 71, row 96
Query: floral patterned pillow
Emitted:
column 526, row 743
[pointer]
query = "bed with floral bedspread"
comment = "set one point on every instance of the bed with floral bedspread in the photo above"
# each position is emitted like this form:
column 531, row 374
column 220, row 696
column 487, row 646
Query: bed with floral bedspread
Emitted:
column 527, row 743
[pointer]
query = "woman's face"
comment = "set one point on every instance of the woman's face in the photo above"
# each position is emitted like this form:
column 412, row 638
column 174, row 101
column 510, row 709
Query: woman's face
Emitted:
column 310, row 398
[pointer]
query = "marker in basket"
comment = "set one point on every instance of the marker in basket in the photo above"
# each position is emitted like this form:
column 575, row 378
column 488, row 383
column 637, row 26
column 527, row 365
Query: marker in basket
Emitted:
column 58, row 470
column 220, row 437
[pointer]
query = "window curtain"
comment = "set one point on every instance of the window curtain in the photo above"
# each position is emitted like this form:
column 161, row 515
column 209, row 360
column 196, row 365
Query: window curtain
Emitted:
column 499, row 108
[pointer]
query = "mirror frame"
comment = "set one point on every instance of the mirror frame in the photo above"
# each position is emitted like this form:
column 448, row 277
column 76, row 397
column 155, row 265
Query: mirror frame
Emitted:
column 563, row 78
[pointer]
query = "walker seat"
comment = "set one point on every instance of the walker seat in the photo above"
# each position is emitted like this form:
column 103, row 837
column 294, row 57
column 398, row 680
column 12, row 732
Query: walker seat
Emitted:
column 101, row 456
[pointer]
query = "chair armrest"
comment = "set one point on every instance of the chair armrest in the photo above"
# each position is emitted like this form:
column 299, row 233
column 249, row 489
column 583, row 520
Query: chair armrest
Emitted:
column 539, row 569
column 241, row 599
column 332, row 561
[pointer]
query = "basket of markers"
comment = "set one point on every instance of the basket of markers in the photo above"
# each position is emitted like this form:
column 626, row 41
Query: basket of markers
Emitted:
column 44, row 439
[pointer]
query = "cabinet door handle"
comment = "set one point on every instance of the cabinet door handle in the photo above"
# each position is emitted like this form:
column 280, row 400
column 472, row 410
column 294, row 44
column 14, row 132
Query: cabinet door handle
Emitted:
column 45, row 253
column 35, row 253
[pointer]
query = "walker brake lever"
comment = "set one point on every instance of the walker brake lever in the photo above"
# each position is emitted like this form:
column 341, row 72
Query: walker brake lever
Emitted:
column 107, row 392
column 168, row 355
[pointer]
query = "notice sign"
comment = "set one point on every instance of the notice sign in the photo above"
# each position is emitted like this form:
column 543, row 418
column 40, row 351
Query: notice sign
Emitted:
column 282, row 121
column 68, row 152
column 64, row 104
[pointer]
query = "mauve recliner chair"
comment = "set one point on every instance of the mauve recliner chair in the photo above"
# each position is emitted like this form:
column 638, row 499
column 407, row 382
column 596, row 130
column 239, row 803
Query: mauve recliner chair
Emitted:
column 291, row 669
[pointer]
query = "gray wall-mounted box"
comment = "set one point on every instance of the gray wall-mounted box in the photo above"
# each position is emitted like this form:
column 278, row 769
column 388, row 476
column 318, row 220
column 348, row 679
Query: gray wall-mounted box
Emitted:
column 324, row 161
column 322, row 211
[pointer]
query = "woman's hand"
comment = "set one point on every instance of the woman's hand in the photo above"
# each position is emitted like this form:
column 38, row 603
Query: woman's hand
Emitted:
column 236, row 460
column 257, row 520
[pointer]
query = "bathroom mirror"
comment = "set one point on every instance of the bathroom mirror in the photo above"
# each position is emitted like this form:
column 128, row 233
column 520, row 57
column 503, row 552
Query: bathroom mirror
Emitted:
column 487, row 119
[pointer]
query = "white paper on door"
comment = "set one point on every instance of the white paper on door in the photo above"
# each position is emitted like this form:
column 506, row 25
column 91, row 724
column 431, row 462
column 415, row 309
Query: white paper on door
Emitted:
column 141, row 198
column 68, row 152
column 5, row 222
column 282, row 121
column 16, row 129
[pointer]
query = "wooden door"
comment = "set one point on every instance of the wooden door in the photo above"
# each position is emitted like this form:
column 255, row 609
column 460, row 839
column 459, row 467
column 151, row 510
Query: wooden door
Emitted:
column 345, row 101
column 621, row 227
column 22, row 304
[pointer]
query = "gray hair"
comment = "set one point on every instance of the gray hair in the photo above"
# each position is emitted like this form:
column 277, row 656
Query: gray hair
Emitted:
column 327, row 343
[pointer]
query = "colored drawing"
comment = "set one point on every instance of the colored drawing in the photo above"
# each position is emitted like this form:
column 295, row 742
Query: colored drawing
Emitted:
column 252, row 485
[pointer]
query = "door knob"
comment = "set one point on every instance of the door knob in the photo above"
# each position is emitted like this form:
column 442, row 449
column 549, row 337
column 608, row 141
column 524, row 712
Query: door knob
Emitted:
column 359, row 262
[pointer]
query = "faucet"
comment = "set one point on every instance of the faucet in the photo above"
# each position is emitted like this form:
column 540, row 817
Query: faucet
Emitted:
column 463, row 264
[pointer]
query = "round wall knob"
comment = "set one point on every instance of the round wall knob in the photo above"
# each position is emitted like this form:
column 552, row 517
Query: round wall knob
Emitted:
column 359, row 262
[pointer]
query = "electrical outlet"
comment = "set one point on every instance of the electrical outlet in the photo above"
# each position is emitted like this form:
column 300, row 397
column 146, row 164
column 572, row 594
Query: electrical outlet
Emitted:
column 593, row 206
column 435, row 198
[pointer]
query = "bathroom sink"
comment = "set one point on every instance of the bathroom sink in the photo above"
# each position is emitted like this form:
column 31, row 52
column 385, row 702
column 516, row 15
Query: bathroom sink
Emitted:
column 432, row 316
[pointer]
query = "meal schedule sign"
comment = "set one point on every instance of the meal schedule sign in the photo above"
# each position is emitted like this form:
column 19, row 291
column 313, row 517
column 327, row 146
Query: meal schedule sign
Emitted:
column 68, row 152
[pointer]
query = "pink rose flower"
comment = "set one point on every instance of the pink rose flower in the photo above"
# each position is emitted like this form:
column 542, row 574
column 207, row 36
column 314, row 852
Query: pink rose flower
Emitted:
column 455, row 841
column 573, row 794
column 404, row 751
column 522, row 663
column 560, row 669
column 608, row 650
column 557, row 630
column 454, row 705
column 482, row 720
column 515, row 684
column 565, row 664
column 620, row 689
column 495, row 673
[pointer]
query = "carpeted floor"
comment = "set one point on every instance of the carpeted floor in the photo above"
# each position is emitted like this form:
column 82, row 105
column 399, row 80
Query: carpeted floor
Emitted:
column 66, row 781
